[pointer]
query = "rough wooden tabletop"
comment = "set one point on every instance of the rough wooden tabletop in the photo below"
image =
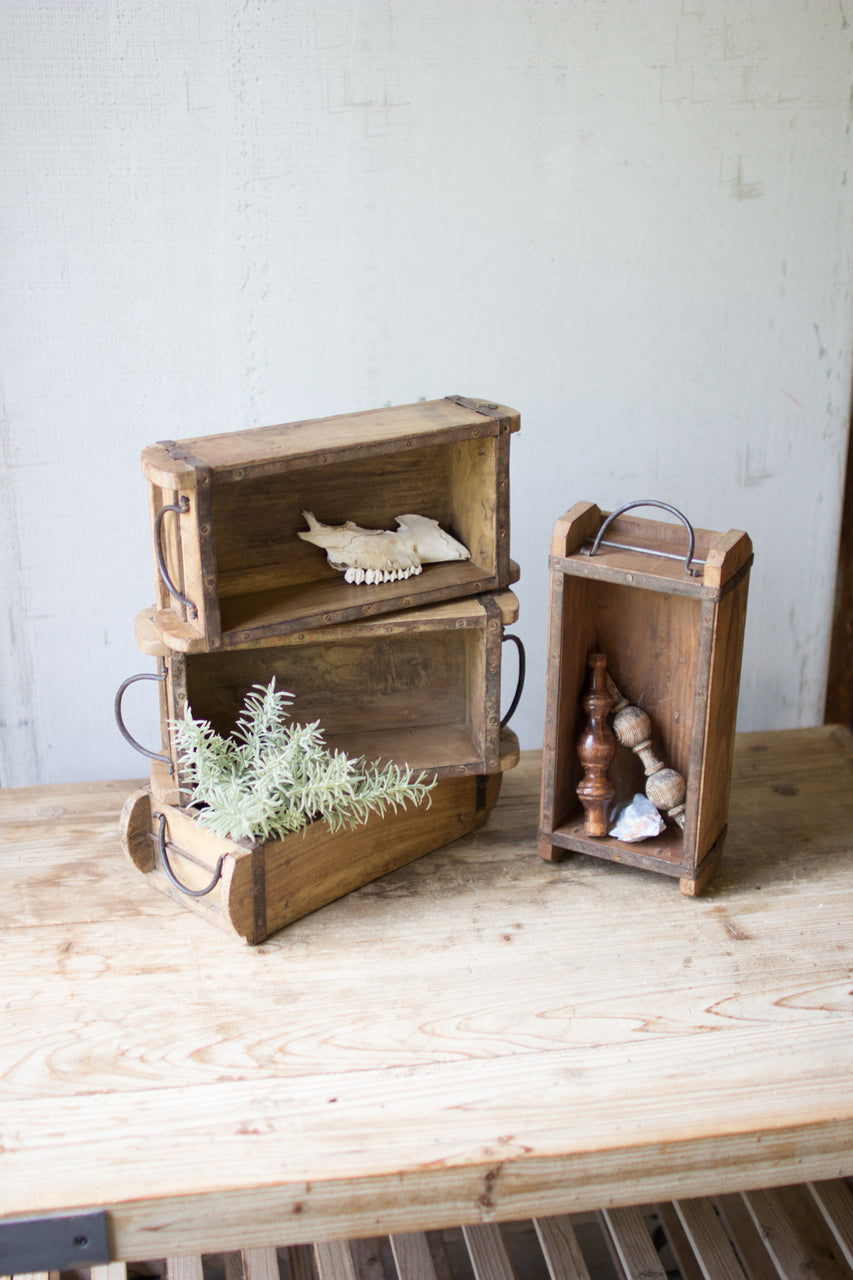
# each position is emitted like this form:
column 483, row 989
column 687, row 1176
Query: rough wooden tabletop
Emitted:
column 478, row 1036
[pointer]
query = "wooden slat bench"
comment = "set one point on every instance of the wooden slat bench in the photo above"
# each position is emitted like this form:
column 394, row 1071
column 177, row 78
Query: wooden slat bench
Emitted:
column 479, row 1038
column 785, row 1234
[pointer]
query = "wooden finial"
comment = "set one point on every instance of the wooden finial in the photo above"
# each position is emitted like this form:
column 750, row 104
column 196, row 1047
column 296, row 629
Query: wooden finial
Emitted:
column 665, row 787
column 596, row 749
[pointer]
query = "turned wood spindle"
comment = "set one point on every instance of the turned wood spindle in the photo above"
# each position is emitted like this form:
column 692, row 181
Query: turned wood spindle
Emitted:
column 596, row 749
column 665, row 787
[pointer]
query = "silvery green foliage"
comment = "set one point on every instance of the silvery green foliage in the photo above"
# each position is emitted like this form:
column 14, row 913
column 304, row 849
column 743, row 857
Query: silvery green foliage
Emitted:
column 272, row 777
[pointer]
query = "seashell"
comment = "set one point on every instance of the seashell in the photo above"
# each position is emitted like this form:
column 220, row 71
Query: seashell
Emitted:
column 383, row 555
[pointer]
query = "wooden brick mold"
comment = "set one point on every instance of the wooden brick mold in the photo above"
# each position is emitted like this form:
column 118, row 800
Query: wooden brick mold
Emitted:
column 421, row 687
column 673, row 643
column 252, row 890
column 226, row 510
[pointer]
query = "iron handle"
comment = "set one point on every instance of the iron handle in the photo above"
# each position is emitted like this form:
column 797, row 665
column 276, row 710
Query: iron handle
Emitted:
column 191, row 893
column 650, row 502
column 522, row 664
column 123, row 730
column 180, row 508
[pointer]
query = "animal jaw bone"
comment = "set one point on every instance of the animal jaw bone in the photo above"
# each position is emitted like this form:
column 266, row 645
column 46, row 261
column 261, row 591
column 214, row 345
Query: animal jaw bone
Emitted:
column 383, row 555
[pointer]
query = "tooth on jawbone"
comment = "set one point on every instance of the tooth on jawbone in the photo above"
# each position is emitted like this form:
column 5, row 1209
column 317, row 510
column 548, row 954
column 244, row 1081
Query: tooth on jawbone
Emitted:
column 383, row 555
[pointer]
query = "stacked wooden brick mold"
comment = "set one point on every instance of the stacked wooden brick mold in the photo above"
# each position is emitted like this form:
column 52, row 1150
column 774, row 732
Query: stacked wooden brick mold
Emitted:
column 404, row 670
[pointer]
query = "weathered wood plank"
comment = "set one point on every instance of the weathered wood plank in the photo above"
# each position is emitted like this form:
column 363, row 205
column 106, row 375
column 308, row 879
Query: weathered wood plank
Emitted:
column 372, row 1258
column 300, row 1260
column 184, row 1267
column 560, row 1248
column 413, row 1257
column 334, row 1260
column 676, row 1236
column 488, row 1252
column 708, row 1239
column 745, row 1237
column 259, row 1264
column 835, row 1201
column 791, row 1250
column 110, row 1271
column 633, row 1244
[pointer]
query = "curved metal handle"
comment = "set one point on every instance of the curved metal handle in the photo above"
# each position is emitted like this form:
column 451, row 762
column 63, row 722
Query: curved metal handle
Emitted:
column 522, row 666
column 123, row 730
column 652, row 502
column 181, row 507
column 191, row 893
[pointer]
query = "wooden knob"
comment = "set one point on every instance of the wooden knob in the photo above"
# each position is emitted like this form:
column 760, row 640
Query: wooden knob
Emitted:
column 632, row 727
column 665, row 787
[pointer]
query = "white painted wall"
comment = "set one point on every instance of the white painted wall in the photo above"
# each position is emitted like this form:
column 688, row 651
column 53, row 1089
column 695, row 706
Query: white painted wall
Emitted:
column 630, row 219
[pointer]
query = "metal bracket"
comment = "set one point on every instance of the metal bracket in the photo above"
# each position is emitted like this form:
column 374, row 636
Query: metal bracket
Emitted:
column 53, row 1244
column 485, row 407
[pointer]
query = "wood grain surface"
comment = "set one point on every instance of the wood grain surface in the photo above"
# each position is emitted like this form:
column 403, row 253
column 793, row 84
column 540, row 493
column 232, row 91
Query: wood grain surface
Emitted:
column 480, row 1036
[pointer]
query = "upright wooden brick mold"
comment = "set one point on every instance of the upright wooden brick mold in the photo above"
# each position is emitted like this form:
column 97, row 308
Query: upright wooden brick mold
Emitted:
column 673, row 643
column 226, row 510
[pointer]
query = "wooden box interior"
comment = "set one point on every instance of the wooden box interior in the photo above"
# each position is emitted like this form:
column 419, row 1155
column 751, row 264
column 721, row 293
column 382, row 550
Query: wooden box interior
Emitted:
column 673, row 645
column 421, row 688
column 236, row 553
column 451, row 483
column 651, row 640
column 404, row 697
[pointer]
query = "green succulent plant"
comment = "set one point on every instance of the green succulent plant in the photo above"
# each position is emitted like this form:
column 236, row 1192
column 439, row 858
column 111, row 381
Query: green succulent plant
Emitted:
column 271, row 776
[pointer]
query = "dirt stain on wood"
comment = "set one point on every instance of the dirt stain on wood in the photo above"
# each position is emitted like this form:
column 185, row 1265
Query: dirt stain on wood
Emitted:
column 733, row 930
